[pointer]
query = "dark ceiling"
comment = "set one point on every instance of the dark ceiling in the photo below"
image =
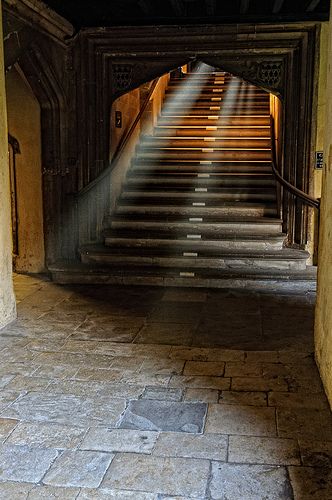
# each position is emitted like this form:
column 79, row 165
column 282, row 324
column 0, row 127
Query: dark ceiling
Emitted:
column 146, row 12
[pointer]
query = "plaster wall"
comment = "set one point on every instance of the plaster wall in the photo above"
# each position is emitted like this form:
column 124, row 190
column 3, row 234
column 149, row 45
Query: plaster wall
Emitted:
column 129, row 104
column 7, row 298
column 323, row 321
column 318, row 143
column 24, row 124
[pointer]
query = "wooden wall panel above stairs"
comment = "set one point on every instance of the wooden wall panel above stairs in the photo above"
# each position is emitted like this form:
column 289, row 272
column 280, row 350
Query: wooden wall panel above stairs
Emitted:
column 198, row 207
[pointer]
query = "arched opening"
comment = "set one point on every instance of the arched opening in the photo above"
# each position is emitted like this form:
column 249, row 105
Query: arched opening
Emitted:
column 24, row 125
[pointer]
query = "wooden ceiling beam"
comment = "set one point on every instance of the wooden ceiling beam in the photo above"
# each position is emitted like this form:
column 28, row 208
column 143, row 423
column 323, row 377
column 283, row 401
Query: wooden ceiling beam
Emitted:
column 277, row 6
column 211, row 7
column 312, row 5
column 178, row 7
column 146, row 7
column 244, row 6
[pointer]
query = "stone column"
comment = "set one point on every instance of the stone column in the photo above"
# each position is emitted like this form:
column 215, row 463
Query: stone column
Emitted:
column 7, row 298
column 323, row 323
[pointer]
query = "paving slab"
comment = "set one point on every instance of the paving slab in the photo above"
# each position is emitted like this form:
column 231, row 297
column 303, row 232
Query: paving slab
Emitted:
column 25, row 464
column 209, row 446
column 298, row 400
column 304, row 423
column 249, row 482
column 46, row 435
column 164, row 333
column 218, row 383
column 162, row 393
column 311, row 483
column 250, row 398
column 206, row 354
column 262, row 450
column 207, row 368
column 42, row 492
column 168, row 476
column 119, row 440
column 241, row 420
column 66, row 409
column 106, row 494
column 202, row 395
column 14, row 491
column 263, row 383
column 316, row 453
column 78, row 468
column 6, row 427
column 164, row 416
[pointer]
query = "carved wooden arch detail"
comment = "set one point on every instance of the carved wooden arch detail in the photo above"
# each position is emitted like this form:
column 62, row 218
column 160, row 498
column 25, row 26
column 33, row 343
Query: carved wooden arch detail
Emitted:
column 265, row 72
column 126, row 75
column 53, row 103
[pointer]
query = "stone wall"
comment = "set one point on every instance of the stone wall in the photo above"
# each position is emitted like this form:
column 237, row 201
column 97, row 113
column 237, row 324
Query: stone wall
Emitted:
column 323, row 326
column 24, row 124
column 7, row 299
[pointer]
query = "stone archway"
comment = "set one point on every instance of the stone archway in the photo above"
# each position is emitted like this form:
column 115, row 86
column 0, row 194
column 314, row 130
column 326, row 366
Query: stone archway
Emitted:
column 120, row 59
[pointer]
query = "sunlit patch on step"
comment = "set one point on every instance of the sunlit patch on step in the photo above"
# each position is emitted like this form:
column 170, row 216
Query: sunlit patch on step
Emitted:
column 205, row 162
column 198, row 204
column 215, row 98
column 190, row 254
column 214, row 108
column 209, row 139
column 200, row 190
column 194, row 236
column 217, row 90
column 211, row 128
column 206, row 176
column 187, row 275
column 195, row 219
column 213, row 117
column 207, row 150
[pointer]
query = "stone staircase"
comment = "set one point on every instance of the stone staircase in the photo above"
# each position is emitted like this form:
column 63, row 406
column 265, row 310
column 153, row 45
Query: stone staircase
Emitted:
column 198, row 207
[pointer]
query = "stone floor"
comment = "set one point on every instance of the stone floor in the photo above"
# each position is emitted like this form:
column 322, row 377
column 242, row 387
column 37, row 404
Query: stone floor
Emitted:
column 152, row 393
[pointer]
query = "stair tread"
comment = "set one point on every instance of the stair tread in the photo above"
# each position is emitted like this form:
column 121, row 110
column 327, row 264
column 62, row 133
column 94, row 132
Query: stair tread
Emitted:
column 284, row 253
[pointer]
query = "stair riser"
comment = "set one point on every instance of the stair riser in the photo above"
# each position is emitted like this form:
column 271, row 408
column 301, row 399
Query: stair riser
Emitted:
column 218, row 133
column 265, row 283
column 194, row 180
column 200, row 228
column 195, row 245
column 200, row 263
column 218, row 114
column 190, row 211
column 179, row 120
column 225, row 154
column 140, row 198
column 160, row 143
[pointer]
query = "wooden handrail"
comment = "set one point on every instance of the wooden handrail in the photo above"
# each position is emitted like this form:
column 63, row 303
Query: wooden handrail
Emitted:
column 121, row 145
column 306, row 198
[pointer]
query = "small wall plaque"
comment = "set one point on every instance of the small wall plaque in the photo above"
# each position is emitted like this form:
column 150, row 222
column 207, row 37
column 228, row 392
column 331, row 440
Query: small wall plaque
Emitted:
column 319, row 160
column 118, row 119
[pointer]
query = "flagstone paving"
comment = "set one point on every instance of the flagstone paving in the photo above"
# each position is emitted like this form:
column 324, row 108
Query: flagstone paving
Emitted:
column 161, row 394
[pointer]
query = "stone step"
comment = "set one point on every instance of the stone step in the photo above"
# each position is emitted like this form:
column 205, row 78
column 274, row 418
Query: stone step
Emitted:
column 197, row 225
column 198, row 208
column 218, row 196
column 194, row 240
column 212, row 131
column 206, row 180
column 201, row 143
column 179, row 119
column 284, row 260
column 216, row 112
column 207, row 154
column 67, row 272
column 195, row 89
column 204, row 166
